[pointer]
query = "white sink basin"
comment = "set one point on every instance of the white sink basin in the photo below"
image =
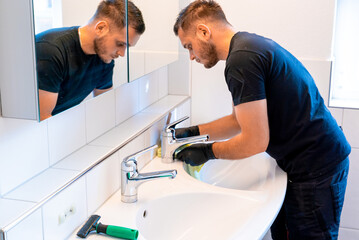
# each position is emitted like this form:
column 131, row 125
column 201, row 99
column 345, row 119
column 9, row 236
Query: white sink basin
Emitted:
column 188, row 216
column 247, row 174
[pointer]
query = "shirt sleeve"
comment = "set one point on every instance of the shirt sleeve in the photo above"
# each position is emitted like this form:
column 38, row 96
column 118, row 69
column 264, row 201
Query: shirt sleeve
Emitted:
column 106, row 81
column 49, row 67
column 245, row 77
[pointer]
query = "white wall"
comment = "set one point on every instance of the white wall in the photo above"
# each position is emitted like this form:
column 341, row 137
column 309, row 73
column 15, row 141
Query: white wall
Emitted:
column 305, row 28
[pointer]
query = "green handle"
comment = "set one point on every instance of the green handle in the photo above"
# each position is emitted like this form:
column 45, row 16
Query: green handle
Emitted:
column 116, row 231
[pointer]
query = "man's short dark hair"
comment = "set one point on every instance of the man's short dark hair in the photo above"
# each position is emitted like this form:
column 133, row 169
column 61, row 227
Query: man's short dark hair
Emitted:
column 115, row 10
column 199, row 9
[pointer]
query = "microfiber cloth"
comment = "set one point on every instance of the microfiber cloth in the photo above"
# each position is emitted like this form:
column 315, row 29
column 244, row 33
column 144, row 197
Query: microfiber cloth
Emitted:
column 191, row 170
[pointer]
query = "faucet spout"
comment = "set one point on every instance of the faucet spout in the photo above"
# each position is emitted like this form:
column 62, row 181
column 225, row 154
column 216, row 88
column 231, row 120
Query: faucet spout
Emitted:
column 170, row 143
column 144, row 177
column 201, row 138
column 131, row 179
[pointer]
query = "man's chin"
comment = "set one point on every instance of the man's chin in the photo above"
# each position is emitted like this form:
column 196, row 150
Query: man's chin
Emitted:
column 107, row 61
column 210, row 65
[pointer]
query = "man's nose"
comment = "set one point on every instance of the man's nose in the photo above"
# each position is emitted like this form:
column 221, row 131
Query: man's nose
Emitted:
column 121, row 52
column 192, row 56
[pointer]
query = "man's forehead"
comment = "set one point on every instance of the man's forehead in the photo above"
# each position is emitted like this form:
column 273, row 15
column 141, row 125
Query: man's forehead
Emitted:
column 183, row 37
column 133, row 36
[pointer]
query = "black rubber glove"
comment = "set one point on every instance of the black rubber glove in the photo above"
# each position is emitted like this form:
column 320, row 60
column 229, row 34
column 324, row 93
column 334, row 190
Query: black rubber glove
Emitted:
column 195, row 154
column 186, row 132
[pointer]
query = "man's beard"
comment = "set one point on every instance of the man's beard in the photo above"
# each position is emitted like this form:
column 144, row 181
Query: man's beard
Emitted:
column 209, row 53
column 99, row 48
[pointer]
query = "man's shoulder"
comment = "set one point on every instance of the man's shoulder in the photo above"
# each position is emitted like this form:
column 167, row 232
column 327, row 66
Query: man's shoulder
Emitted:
column 56, row 35
column 246, row 41
column 56, row 40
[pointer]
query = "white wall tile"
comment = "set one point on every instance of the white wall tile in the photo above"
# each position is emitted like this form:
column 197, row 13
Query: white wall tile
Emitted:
column 121, row 133
column 102, row 182
column 42, row 185
column 29, row 228
column 67, row 133
column 23, row 151
column 127, row 101
column 184, row 111
column 211, row 98
column 148, row 90
column 162, row 75
column 165, row 104
column 137, row 70
column 348, row 234
column 350, row 214
column 132, row 147
column 100, row 115
column 120, row 71
column 83, row 158
column 351, row 126
column 153, row 134
column 56, row 225
column 179, row 75
column 12, row 209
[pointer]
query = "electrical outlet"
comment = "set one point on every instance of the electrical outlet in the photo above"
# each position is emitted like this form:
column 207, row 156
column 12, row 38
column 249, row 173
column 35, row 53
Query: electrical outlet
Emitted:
column 66, row 214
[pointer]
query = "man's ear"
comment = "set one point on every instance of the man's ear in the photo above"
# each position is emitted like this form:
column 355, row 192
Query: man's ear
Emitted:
column 203, row 32
column 102, row 28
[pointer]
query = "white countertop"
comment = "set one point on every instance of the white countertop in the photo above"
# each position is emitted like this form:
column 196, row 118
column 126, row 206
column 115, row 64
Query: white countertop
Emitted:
column 258, row 208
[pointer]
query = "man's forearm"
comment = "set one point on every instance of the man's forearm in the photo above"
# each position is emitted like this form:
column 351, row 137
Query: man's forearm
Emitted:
column 97, row 92
column 220, row 129
column 239, row 147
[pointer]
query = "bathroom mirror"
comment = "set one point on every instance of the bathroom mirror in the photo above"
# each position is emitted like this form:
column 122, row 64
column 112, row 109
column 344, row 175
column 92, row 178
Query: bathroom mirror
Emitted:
column 50, row 14
column 158, row 45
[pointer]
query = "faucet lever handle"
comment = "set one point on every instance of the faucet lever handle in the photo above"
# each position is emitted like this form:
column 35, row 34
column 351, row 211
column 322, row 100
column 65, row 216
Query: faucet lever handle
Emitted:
column 133, row 157
column 172, row 125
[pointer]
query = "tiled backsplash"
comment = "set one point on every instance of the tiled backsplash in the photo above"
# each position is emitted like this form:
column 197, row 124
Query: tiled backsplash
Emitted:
column 28, row 147
column 37, row 158
column 68, row 209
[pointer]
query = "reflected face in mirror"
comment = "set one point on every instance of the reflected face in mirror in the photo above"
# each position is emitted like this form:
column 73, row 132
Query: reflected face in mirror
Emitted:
column 113, row 44
column 73, row 62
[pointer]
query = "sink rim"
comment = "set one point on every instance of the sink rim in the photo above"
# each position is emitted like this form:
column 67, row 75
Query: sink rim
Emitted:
column 238, row 208
column 220, row 181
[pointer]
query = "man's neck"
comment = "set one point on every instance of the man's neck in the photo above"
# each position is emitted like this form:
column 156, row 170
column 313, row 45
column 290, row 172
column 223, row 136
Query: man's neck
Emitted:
column 86, row 40
column 223, row 40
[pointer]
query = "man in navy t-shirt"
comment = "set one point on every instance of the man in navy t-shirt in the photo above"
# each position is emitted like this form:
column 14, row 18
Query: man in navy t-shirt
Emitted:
column 277, row 108
column 72, row 62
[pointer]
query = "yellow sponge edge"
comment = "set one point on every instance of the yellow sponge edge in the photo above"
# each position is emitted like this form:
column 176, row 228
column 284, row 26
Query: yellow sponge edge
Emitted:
column 159, row 152
column 192, row 170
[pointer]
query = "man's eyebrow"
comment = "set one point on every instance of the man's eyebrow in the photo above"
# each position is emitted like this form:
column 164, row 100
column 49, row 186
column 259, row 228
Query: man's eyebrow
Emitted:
column 123, row 43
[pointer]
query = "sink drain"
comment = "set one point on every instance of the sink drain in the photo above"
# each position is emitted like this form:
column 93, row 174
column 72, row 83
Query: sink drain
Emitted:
column 144, row 214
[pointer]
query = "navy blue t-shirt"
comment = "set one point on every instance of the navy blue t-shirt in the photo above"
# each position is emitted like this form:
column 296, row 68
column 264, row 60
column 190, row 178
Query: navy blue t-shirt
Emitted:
column 63, row 67
column 305, row 139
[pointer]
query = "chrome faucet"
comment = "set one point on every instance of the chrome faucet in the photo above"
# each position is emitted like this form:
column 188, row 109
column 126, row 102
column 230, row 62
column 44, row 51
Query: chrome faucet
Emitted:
column 170, row 143
column 131, row 178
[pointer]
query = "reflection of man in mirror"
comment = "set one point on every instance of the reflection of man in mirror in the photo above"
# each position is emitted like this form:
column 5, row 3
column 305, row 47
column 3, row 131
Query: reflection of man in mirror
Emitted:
column 72, row 62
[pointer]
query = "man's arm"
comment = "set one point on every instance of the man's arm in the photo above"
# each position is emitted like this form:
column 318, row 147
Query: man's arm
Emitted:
column 220, row 129
column 97, row 92
column 47, row 101
column 254, row 135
